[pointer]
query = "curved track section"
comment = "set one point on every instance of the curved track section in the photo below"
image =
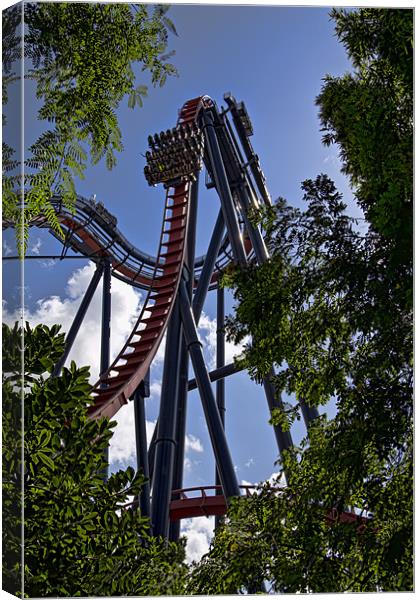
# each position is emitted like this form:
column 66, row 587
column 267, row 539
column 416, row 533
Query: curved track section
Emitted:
column 91, row 230
column 198, row 502
column 120, row 381
column 208, row 501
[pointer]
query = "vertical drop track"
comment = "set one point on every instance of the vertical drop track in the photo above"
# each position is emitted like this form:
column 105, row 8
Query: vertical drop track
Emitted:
column 120, row 381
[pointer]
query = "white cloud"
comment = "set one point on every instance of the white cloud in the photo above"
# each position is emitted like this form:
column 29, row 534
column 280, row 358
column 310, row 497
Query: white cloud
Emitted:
column 123, row 442
column 155, row 389
column 275, row 481
column 48, row 264
column 207, row 330
column 332, row 159
column 125, row 304
column 199, row 532
column 6, row 248
column 35, row 249
column 193, row 444
column 207, row 333
column 190, row 464
column 160, row 354
column 232, row 350
column 250, row 462
column 245, row 482
column 150, row 427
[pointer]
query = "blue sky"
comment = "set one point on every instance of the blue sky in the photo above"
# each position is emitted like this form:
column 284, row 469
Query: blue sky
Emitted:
column 272, row 58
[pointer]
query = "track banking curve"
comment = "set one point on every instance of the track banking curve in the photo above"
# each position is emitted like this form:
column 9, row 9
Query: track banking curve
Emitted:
column 122, row 378
column 91, row 230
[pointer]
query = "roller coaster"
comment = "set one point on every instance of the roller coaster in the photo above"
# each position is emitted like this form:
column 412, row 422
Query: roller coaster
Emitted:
column 176, row 284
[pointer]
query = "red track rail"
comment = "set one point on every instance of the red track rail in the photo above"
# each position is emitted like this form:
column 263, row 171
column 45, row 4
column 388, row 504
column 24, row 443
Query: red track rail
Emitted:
column 186, row 507
column 99, row 250
column 206, row 505
column 202, row 504
column 122, row 378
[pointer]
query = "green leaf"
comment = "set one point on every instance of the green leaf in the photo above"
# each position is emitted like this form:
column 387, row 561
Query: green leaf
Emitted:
column 132, row 99
column 46, row 460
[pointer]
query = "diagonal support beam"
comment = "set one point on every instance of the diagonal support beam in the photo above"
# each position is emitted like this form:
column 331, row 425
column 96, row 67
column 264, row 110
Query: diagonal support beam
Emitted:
column 214, row 423
column 80, row 315
column 217, row 374
column 284, row 439
column 254, row 233
column 208, row 267
column 223, row 189
column 309, row 412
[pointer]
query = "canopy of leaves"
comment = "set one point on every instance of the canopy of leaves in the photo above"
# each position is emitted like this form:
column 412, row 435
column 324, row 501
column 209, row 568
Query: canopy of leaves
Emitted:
column 332, row 310
column 78, row 539
column 83, row 60
column 369, row 114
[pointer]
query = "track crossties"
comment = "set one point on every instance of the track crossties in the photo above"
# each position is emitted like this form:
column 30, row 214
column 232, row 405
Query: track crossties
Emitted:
column 120, row 381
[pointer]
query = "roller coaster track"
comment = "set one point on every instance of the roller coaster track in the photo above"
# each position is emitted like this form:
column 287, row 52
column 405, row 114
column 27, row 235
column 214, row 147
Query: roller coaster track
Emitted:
column 196, row 501
column 199, row 501
column 119, row 382
column 91, row 230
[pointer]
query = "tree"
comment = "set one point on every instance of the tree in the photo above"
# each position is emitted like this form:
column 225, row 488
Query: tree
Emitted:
column 332, row 310
column 78, row 541
column 83, row 58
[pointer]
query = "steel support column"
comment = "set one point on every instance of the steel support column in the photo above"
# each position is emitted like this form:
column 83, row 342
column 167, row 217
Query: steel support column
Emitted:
column 261, row 253
column 213, row 420
column 309, row 413
column 106, row 317
column 220, row 362
column 217, row 374
column 141, row 443
column 223, row 189
column 77, row 321
column 220, row 351
column 152, row 451
column 106, row 334
column 165, row 440
column 181, row 418
column 254, row 233
column 284, row 439
column 208, row 267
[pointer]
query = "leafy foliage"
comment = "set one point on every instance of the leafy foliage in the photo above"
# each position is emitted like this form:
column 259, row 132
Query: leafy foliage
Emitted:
column 78, row 539
column 11, row 52
column 332, row 310
column 370, row 116
column 285, row 540
column 83, row 63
